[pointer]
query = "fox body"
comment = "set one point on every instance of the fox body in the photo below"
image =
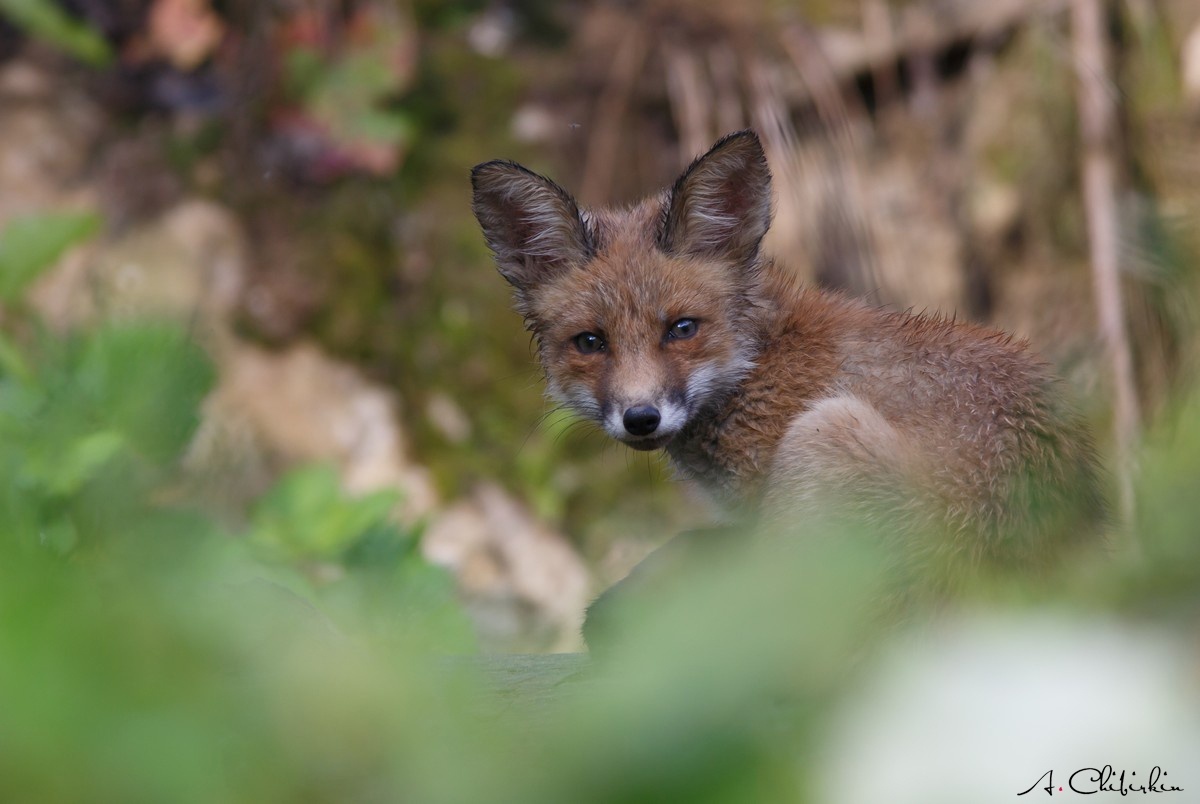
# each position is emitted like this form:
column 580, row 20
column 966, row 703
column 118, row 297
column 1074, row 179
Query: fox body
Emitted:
column 666, row 325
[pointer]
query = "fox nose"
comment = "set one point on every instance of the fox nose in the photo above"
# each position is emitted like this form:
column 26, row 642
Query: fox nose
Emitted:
column 642, row 420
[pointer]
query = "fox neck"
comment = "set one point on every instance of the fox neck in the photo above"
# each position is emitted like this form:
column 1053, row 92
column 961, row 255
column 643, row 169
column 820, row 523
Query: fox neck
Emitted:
column 701, row 452
column 728, row 447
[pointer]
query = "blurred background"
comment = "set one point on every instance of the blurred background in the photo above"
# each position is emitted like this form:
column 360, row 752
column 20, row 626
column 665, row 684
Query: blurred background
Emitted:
column 251, row 338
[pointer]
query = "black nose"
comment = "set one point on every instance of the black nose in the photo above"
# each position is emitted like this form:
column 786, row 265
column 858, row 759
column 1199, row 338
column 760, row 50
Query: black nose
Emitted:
column 642, row 420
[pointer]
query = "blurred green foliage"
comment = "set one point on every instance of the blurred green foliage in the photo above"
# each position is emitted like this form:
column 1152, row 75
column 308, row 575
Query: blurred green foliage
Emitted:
column 29, row 244
column 147, row 646
column 92, row 423
column 307, row 515
column 349, row 97
column 46, row 20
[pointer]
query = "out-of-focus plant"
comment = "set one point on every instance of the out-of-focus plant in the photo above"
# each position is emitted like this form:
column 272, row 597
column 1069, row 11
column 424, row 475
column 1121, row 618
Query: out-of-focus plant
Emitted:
column 46, row 20
column 346, row 96
column 307, row 516
column 146, row 645
column 30, row 244
column 91, row 423
column 92, row 426
column 362, row 568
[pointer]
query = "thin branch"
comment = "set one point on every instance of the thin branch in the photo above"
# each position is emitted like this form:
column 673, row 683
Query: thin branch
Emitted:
column 1098, row 130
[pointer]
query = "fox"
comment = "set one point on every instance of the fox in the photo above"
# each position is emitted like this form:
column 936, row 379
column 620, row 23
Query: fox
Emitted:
column 667, row 325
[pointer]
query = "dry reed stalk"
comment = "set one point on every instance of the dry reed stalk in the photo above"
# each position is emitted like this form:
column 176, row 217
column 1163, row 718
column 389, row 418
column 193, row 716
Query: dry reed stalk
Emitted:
column 723, row 67
column 609, row 115
column 688, row 93
column 1098, row 130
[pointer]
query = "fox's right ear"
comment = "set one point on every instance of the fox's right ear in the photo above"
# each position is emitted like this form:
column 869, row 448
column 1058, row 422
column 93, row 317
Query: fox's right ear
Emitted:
column 721, row 205
column 532, row 225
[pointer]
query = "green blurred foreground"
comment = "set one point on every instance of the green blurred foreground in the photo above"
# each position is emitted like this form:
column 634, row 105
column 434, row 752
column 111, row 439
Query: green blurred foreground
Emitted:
column 150, row 653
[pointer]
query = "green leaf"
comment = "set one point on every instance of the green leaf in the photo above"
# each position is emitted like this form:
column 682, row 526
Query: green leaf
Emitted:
column 350, row 100
column 307, row 516
column 60, row 473
column 147, row 383
column 302, row 70
column 31, row 244
column 45, row 20
column 12, row 363
column 84, row 458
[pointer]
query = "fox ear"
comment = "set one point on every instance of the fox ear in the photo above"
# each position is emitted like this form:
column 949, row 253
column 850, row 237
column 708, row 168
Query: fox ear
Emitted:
column 532, row 225
column 721, row 205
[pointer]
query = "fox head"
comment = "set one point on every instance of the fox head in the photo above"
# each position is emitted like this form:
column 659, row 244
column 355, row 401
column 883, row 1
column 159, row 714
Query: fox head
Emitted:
column 644, row 317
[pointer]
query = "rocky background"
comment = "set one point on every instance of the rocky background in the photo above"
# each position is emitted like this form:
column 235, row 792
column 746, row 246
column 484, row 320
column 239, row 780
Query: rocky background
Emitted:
column 288, row 182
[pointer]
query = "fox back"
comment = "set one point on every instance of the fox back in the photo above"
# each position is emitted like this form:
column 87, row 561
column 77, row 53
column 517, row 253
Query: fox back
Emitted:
column 666, row 325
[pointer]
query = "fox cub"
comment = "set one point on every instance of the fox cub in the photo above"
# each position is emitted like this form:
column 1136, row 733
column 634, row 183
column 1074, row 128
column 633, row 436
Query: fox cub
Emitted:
column 667, row 326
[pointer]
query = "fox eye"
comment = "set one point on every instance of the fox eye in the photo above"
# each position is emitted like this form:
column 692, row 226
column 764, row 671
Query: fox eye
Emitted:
column 683, row 329
column 589, row 343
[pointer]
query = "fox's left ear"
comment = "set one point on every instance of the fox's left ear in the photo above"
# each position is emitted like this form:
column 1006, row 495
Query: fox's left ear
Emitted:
column 721, row 205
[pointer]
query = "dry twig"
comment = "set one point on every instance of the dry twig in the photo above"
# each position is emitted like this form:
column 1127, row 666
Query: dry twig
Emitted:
column 1098, row 129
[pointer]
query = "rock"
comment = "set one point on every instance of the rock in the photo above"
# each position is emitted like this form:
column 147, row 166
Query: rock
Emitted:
column 447, row 417
column 20, row 79
column 189, row 265
column 298, row 406
column 524, row 585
